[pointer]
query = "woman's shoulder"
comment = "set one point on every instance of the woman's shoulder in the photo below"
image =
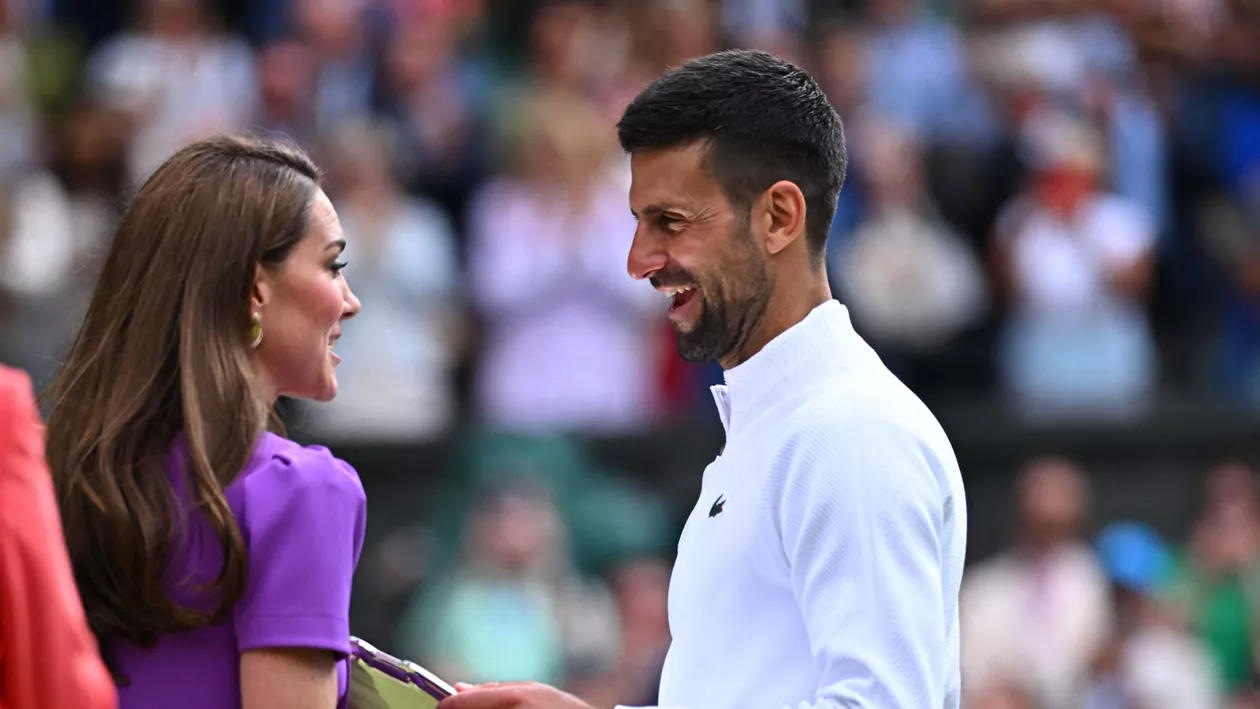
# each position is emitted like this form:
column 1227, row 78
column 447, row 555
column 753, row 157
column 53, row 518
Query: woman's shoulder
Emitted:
column 291, row 467
column 17, row 395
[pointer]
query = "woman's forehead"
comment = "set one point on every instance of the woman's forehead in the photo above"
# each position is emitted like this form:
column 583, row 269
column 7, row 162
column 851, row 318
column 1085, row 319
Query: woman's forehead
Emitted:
column 324, row 226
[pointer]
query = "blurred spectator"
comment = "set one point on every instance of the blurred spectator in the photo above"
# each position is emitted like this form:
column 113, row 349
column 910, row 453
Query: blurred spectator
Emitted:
column 563, row 45
column 396, row 375
column 1148, row 662
column 561, row 55
column 17, row 114
column 1048, row 46
column 568, row 335
column 769, row 25
column 1216, row 582
column 53, row 222
column 434, row 101
column 641, row 587
column 40, row 248
column 913, row 285
column 1076, row 265
column 610, row 517
column 286, row 80
column 918, row 75
column 338, row 36
column 842, row 68
column 513, row 609
column 661, row 34
column 584, row 49
column 177, row 78
column 668, row 32
column 1034, row 617
column 1226, row 121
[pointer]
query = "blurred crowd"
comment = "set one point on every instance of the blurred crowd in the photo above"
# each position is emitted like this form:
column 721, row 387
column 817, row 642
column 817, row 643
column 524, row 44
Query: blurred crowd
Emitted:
column 1060, row 619
column 1051, row 203
column 1054, row 204
column 1124, row 620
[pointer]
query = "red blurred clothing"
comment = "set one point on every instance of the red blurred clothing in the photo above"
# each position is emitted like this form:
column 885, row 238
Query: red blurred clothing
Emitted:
column 48, row 657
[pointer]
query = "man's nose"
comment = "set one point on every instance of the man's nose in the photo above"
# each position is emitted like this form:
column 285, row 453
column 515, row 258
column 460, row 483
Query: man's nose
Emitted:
column 647, row 256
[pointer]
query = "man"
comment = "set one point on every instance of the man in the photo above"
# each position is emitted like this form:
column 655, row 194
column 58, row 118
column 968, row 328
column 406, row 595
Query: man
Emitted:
column 821, row 564
column 48, row 657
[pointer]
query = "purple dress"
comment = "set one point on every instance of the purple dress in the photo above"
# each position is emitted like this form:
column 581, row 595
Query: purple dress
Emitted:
column 301, row 513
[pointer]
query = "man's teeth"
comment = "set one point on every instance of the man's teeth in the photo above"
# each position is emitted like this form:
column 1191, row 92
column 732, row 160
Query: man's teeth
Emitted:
column 671, row 292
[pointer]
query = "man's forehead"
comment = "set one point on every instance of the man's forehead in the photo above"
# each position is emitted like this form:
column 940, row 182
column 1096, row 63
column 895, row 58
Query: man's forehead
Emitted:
column 668, row 178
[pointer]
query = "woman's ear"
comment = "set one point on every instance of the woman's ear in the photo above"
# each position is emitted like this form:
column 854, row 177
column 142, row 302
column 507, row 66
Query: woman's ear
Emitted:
column 260, row 293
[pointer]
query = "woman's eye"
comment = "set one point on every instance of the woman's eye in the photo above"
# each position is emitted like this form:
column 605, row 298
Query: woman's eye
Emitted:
column 336, row 266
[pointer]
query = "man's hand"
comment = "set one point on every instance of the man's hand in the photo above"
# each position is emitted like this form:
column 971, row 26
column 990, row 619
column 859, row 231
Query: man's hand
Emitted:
column 511, row 695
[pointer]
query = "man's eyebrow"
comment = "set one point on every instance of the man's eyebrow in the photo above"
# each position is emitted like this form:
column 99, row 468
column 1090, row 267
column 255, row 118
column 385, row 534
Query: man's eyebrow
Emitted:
column 654, row 210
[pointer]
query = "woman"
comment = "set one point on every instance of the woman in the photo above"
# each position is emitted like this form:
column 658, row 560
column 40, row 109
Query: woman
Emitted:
column 214, row 558
column 49, row 657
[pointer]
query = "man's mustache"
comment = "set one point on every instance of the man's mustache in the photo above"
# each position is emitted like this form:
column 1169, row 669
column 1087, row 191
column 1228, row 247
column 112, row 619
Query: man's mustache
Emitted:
column 673, row 279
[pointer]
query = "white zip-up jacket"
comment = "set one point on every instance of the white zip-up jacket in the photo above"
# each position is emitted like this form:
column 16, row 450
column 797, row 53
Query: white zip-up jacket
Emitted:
column 821, row 565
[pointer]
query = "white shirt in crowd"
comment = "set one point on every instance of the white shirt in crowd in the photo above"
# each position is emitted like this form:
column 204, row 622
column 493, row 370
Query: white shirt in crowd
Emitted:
column 1035, row 623
column 178, row 90
column 1074, row 342
column 1061, row 267
column 821, row 565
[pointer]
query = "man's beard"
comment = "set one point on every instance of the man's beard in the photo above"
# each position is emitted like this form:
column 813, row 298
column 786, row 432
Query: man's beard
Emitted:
column 713, row 336
column 725, row 322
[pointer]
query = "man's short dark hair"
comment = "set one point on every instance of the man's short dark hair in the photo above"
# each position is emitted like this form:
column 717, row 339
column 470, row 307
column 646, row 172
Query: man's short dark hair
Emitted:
column 764, row 120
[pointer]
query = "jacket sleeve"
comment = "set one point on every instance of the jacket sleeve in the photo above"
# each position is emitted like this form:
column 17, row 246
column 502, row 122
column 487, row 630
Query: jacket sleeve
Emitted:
column 861, row 516
column 48, row 657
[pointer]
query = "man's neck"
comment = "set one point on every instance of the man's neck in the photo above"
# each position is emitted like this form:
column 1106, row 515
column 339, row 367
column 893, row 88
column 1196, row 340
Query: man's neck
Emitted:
column 787, row 307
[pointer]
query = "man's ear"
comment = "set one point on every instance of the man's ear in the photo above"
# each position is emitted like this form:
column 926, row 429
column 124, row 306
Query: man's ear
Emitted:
column 784, row 210
column 260, row 292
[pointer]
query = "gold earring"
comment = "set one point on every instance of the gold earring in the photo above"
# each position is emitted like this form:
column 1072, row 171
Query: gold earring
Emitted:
column 255, row 331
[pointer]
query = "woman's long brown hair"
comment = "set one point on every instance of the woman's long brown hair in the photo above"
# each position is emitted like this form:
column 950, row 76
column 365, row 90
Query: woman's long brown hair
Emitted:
column 164, row 351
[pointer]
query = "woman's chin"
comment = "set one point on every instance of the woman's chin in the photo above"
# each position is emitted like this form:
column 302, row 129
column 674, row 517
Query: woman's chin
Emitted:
column 320, row 393
column 328, row 387
column 328, row 392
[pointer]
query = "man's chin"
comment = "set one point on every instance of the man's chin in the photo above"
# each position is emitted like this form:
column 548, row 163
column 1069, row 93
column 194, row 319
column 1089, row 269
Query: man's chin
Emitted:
column 692, row 356
column 690, row 349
